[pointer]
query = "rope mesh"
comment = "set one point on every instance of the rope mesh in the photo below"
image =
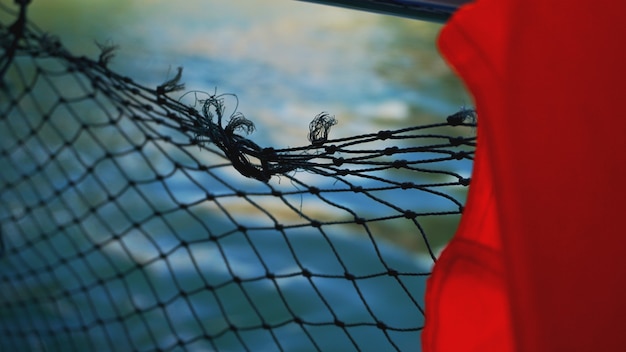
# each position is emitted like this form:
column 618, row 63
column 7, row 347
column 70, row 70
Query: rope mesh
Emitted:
column 131, row 220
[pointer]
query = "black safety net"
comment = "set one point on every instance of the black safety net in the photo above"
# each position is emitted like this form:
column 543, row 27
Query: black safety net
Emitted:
column 147, row 218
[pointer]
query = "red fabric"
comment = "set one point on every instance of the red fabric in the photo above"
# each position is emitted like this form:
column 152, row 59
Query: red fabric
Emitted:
column 538, row 262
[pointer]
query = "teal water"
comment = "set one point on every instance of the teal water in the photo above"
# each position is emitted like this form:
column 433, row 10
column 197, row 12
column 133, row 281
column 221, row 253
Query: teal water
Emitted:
column 286, row 61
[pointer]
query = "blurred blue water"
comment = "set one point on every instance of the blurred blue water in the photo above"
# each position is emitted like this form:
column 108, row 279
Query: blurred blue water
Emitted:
column 286, row 61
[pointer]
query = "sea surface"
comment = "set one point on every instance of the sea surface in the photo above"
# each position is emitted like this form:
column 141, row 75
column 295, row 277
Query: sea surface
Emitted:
column 286, row 61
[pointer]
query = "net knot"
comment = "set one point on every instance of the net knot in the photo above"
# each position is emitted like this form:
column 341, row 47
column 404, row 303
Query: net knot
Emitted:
column 462, row 116
column 382, row 135
column 391, row 150
column 399, row 163
column 209, row 125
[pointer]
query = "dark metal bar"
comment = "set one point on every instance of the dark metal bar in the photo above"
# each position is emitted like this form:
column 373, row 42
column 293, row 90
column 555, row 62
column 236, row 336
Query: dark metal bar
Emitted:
column 428, row 10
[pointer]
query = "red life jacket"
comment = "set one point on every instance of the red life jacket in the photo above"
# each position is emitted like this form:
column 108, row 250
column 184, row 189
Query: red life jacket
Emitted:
column 539, row 260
